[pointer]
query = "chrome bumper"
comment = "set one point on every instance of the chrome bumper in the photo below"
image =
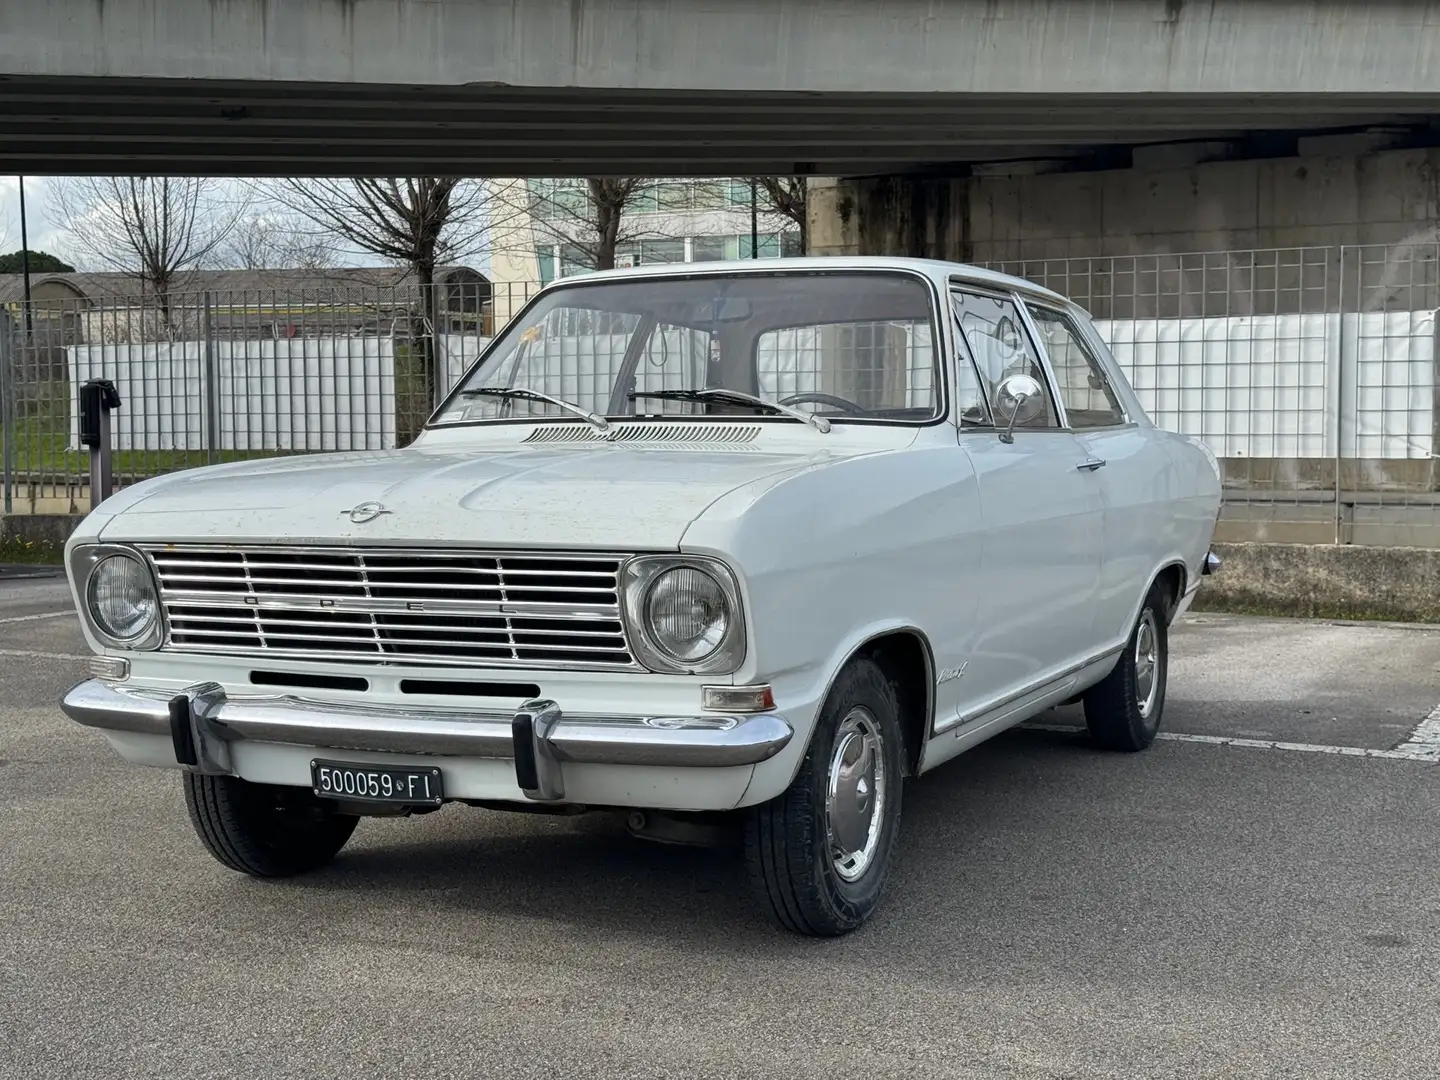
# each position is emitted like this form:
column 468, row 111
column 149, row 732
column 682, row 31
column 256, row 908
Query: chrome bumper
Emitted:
column 1212, row 564
column 203, row 722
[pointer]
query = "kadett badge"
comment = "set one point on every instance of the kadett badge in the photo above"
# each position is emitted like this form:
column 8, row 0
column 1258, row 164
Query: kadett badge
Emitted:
column 952, row 673
column 366, row 511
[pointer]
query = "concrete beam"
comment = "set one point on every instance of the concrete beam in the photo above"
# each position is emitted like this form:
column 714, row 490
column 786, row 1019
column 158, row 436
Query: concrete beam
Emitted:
column 1060, row 47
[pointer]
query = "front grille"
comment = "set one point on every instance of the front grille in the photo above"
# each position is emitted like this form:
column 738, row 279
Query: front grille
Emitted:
column 394, row 606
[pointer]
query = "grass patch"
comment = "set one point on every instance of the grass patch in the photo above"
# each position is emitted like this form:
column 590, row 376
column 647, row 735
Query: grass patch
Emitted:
column 44, row 456
column 31, row 552
column 41, row 453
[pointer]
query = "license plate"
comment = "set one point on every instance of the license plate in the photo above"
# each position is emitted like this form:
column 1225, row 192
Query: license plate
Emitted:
column 339, row 780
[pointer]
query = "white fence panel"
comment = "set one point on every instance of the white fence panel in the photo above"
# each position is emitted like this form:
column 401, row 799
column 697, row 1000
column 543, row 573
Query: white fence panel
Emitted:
column 1253, row 386
column 457, row 352
column 1387, row 402
column 1272, row 386
column 1250, row 386
column 162, row 393
column 288, row 394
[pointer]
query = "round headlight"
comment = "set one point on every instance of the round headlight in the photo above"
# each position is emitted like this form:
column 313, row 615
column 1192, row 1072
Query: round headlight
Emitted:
column 122, row 598
column 687, row 613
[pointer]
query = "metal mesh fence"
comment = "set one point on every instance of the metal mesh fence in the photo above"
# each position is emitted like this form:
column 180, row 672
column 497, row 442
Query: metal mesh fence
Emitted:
column 1309, row 371
column 221, row 376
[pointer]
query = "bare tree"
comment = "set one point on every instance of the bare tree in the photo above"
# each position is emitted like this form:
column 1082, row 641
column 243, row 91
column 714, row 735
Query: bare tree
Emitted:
column 418, row 222
column 415, row 221
column 787, row 195
column 266, row 242
column 154, row 227
column 591, row 219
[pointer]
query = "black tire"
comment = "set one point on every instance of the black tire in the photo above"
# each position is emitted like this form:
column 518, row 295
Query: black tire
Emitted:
column 264, row 830
column 787, row 841
column 1115, row 708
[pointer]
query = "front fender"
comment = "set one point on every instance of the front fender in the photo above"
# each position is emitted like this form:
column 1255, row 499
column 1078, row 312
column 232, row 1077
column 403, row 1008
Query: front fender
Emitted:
column 833, row 558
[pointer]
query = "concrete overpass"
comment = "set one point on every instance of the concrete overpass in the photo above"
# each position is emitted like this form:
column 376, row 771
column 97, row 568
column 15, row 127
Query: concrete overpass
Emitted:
column 677, row 87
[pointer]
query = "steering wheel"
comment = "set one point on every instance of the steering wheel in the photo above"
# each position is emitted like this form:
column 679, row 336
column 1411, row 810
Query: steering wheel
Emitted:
column 834, row 402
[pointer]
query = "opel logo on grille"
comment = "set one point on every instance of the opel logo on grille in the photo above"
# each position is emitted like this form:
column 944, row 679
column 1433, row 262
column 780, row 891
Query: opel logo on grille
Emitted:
column 366, row 511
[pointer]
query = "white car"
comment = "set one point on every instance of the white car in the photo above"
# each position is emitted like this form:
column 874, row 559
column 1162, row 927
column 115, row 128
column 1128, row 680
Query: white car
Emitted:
column 710, row 544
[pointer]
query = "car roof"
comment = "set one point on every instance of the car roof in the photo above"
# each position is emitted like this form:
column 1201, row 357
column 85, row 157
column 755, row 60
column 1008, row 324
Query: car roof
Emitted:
column 936, row 269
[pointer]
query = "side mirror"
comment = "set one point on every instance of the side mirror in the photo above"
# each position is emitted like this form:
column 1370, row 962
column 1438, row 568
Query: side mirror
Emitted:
column 1023, row 398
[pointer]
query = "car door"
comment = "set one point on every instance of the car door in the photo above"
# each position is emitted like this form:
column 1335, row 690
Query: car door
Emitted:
column 1043, row 515
column 1135, row 477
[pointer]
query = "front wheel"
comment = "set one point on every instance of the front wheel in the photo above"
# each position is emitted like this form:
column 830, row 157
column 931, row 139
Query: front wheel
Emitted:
column 1123, row 710
column 820, row 853
column 264, row 830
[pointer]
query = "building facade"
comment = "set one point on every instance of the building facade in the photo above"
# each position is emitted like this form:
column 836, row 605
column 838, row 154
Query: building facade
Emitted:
column 544, row 229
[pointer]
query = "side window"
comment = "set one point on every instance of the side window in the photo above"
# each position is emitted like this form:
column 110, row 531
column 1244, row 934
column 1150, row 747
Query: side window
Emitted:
column 1079, row 378
column 970, row 404
column 994, row 336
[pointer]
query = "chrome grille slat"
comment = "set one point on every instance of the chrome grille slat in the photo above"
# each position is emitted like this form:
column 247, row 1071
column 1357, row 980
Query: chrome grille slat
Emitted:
column 501, row 632
column 326, row 568
column 383, row 584
column 397, row 606
column 443, row 608
column 410, row 555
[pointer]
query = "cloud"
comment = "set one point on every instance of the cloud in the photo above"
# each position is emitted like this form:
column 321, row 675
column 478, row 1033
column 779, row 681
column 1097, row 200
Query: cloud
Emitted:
column 43, row 235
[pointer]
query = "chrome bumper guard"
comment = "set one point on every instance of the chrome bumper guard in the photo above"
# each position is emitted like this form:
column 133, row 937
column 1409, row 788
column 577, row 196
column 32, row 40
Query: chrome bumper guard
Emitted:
column 204, row 722
column 1212, row 564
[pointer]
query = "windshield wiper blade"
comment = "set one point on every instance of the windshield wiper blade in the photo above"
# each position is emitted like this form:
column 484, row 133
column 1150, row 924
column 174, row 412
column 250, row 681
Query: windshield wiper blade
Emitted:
column 736, row 397
column 598, row 422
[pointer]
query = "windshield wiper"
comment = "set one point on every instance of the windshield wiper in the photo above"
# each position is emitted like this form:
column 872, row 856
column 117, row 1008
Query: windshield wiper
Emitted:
column 734, row 397
column 598, row 422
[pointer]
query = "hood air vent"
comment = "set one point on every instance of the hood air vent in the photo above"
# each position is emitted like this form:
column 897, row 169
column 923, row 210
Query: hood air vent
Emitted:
column 652, row 433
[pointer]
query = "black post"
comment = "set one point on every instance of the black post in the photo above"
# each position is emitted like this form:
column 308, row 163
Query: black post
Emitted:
column 97, row 398
column 754, row 220
column 212, row 385
column 25, row 255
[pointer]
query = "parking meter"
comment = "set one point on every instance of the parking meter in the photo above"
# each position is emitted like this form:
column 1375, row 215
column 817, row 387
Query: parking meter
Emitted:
column 98, row 398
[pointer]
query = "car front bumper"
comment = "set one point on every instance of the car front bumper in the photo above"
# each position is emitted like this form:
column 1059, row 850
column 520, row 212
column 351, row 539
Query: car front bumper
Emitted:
column 205, row 726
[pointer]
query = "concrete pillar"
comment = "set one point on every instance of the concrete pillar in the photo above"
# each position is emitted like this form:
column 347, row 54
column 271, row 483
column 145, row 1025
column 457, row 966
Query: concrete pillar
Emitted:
column 890, row 215
column 1338, row 193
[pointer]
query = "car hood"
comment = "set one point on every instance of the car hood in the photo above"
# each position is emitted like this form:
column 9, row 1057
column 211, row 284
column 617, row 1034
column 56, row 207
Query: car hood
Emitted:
column 606, row 496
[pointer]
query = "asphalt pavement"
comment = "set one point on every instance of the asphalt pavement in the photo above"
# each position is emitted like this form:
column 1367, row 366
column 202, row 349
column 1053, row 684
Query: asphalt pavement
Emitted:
column 1199, row 910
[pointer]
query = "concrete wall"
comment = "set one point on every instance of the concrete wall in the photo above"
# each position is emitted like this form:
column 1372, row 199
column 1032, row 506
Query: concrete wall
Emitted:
column 46, row 531
column 1382, row 197
column 1319, row 581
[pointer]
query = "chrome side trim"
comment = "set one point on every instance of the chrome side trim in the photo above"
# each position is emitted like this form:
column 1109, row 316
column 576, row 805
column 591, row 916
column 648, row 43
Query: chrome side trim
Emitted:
column 674, row 741
column 1036, row 687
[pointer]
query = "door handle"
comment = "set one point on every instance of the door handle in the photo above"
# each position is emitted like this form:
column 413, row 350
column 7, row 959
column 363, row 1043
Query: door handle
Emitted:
column 1091, row 465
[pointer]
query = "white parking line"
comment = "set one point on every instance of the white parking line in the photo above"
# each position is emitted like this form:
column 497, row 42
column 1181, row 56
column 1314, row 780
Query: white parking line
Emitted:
column 1424, row 742
column 42, row 655
column 34, row 618
column 1405, row 752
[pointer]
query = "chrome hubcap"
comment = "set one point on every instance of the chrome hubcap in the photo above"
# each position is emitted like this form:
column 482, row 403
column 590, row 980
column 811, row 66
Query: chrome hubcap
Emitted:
column 855, row 794
column 1147, row 663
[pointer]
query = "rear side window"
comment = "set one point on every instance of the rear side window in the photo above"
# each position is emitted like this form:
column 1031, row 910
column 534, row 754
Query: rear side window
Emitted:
column 1080, row 380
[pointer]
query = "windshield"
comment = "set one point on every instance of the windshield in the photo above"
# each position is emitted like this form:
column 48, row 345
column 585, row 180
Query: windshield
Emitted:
column 849, row 346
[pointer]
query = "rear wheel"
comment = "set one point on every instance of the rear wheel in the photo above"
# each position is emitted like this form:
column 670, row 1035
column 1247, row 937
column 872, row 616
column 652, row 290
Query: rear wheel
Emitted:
column 264, row 830
column 1123, row 711
column 819, row 854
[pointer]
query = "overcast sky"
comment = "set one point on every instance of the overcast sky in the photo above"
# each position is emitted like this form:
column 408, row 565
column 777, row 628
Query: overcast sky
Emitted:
column 43, row 235
column 46, row 235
